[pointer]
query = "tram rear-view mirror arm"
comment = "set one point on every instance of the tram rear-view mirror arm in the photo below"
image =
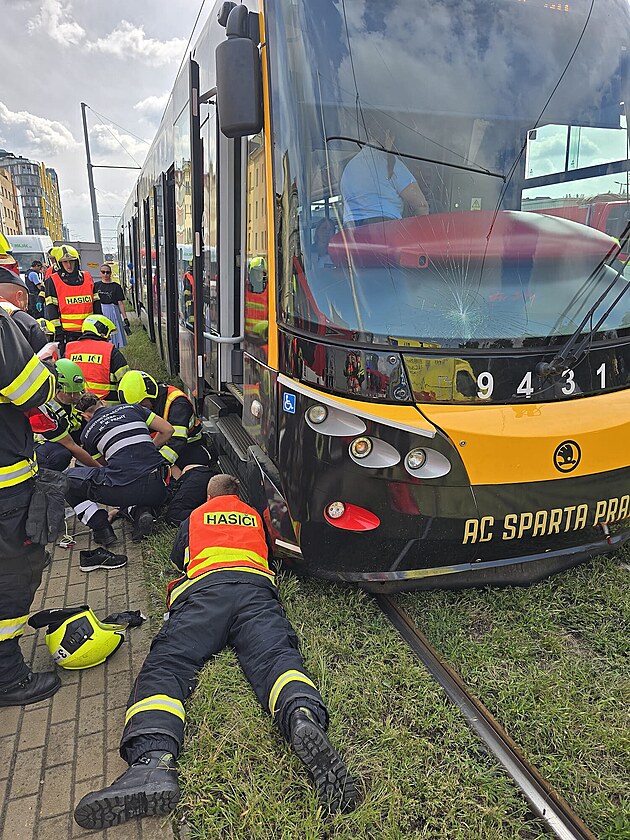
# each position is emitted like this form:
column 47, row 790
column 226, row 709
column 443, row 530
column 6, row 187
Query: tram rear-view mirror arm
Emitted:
column 239, row 75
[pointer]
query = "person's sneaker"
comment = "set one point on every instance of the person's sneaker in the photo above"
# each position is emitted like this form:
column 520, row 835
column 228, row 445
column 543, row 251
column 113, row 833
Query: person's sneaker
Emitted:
column 105, row 535
column 32, row 689
column 142, row 523
column 148, row 788
column 333, row 783
column 101, row 558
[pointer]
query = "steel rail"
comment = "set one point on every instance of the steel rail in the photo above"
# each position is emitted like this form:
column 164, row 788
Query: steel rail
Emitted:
column 545, row 802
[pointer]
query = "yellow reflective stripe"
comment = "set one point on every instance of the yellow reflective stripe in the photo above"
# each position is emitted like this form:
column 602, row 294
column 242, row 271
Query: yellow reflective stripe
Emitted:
column 17, row 473
column 169, row 454
column 11, row 628
column 157, row 703
column 182, row 587
column 222, row 553
column 195, row 438
column 55, row 322
column 75, row 316
column 186, row 555
column 180, row 431
column 53, row 301
column 28, row 382
column 281, row 682
column 151, row 418
column 118, row 374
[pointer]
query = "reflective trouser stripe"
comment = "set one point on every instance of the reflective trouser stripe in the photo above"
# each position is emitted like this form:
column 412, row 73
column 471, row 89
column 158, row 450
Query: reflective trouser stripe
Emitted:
column 156, row 703
column 17, row 473
column 11, row 628
column 282, row 681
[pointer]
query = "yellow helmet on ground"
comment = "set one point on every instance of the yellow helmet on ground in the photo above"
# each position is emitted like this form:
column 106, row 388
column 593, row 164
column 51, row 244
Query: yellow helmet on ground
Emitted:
column 98, row 325
column 135, row 386
column 76, row 638
column 66, row 252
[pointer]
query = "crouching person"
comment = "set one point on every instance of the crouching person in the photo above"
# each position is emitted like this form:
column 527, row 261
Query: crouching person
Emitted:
column 133, row 471
column 225, row 596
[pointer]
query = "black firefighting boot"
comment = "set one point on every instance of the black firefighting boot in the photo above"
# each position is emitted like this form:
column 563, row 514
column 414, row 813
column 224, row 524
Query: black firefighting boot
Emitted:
column 333, row 783
column 31, row 689
column 148, row 788
column 143, row 523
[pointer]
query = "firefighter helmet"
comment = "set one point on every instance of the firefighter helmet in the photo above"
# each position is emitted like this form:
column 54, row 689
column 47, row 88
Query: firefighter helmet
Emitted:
column 76, row 638
column 46, row 326
column 70, row 377
column 135, row 386
column 98, row 325
column 66, row 252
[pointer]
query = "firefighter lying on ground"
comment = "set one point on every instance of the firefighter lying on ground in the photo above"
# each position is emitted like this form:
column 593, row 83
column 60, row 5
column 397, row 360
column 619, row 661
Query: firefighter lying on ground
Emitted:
column 58, row 425
column 225, row 596
column 70, row 295
column 133, row 472
column 185, row 447
column 103, row 365
column 25, row 383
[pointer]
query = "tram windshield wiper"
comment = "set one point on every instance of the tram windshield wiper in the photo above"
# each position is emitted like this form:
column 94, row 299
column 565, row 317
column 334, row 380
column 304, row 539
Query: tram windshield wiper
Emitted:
column 578, row 344
column 479, row 170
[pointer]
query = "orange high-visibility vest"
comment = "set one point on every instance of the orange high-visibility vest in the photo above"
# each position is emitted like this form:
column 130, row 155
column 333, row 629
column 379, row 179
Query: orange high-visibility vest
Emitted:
column 94, row 359
column 75, row 302
column 224, row 534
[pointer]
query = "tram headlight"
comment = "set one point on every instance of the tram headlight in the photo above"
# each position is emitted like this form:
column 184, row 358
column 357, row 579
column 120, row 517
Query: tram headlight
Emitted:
column 415, row 459
column 317, row 414
column 361, row 447
column 335, row 510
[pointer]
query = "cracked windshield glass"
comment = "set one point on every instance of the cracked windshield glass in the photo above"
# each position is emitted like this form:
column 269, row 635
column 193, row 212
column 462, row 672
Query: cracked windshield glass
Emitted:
column 452, row 174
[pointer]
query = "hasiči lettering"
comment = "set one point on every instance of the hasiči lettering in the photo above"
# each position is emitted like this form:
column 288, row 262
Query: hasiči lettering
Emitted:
column 543, row 523
column 80, row 299
column 230, row 518
column 93, row 358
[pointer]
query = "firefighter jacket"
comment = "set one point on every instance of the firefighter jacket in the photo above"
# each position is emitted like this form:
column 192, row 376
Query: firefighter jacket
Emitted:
column 102, row 364
column 27, row 325
column 173, row 405
column 70, row 299
column 226, row 536
column 57, row 420
column 25, row 383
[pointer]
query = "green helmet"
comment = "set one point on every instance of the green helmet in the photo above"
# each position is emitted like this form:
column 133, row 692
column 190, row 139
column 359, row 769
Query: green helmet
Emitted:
column 70, row 377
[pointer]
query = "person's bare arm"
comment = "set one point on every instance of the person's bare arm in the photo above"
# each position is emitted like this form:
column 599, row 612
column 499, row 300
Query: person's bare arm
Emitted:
column 164, row 431
column 121, row 306
column 78, row 452
column 415, row 200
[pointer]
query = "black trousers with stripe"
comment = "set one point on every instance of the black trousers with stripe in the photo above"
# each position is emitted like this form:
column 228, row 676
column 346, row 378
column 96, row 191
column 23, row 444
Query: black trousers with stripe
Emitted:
column 21, row 568
column 209, row 617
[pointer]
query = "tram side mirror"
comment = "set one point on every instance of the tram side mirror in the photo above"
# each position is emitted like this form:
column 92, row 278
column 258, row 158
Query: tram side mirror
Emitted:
column 239, row 78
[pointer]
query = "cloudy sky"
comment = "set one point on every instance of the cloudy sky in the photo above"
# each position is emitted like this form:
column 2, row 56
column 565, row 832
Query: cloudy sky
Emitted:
column 120, row 58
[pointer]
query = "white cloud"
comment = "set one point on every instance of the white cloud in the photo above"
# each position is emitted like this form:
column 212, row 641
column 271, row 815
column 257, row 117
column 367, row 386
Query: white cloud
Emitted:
column 56, row 20
column 28, row 134
column 152, row 108
column 129, row 41
column 107, row 139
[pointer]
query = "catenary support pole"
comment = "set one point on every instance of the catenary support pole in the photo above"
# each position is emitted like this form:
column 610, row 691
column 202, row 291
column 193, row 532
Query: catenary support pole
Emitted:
column 95, row 222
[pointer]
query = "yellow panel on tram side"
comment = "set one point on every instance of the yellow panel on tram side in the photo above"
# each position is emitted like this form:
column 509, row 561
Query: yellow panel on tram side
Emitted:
column 515, row 444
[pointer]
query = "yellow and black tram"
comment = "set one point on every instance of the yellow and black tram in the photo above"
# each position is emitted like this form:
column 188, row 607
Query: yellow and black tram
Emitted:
column 356, row 240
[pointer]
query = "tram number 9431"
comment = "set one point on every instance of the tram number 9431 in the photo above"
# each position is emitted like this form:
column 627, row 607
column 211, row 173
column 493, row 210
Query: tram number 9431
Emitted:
column 485, row 383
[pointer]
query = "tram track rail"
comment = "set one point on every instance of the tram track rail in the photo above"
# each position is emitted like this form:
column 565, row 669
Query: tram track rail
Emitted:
column 545, row 802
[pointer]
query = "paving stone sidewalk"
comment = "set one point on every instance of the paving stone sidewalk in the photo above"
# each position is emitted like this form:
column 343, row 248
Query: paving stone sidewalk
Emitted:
column 53, row 752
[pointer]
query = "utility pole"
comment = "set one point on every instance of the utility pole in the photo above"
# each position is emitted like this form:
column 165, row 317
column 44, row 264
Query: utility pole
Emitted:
column 95, row 222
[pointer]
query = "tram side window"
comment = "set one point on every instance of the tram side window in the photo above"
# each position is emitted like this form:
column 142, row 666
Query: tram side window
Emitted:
column 257, row 286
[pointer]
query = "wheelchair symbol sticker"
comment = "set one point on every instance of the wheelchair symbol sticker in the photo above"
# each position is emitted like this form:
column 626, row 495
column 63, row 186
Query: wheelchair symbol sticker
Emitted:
column 288, row 403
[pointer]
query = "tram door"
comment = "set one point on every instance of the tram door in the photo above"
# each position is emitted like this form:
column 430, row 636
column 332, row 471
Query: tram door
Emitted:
column 169, row 261
column 217, row 162
column 157, row 237
column 148, row 271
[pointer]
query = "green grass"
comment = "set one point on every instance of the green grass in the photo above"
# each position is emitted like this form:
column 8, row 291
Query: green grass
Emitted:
column 141, row 354
column 550, row 661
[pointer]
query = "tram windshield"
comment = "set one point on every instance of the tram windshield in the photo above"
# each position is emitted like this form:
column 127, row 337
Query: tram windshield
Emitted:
column 451, row 172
